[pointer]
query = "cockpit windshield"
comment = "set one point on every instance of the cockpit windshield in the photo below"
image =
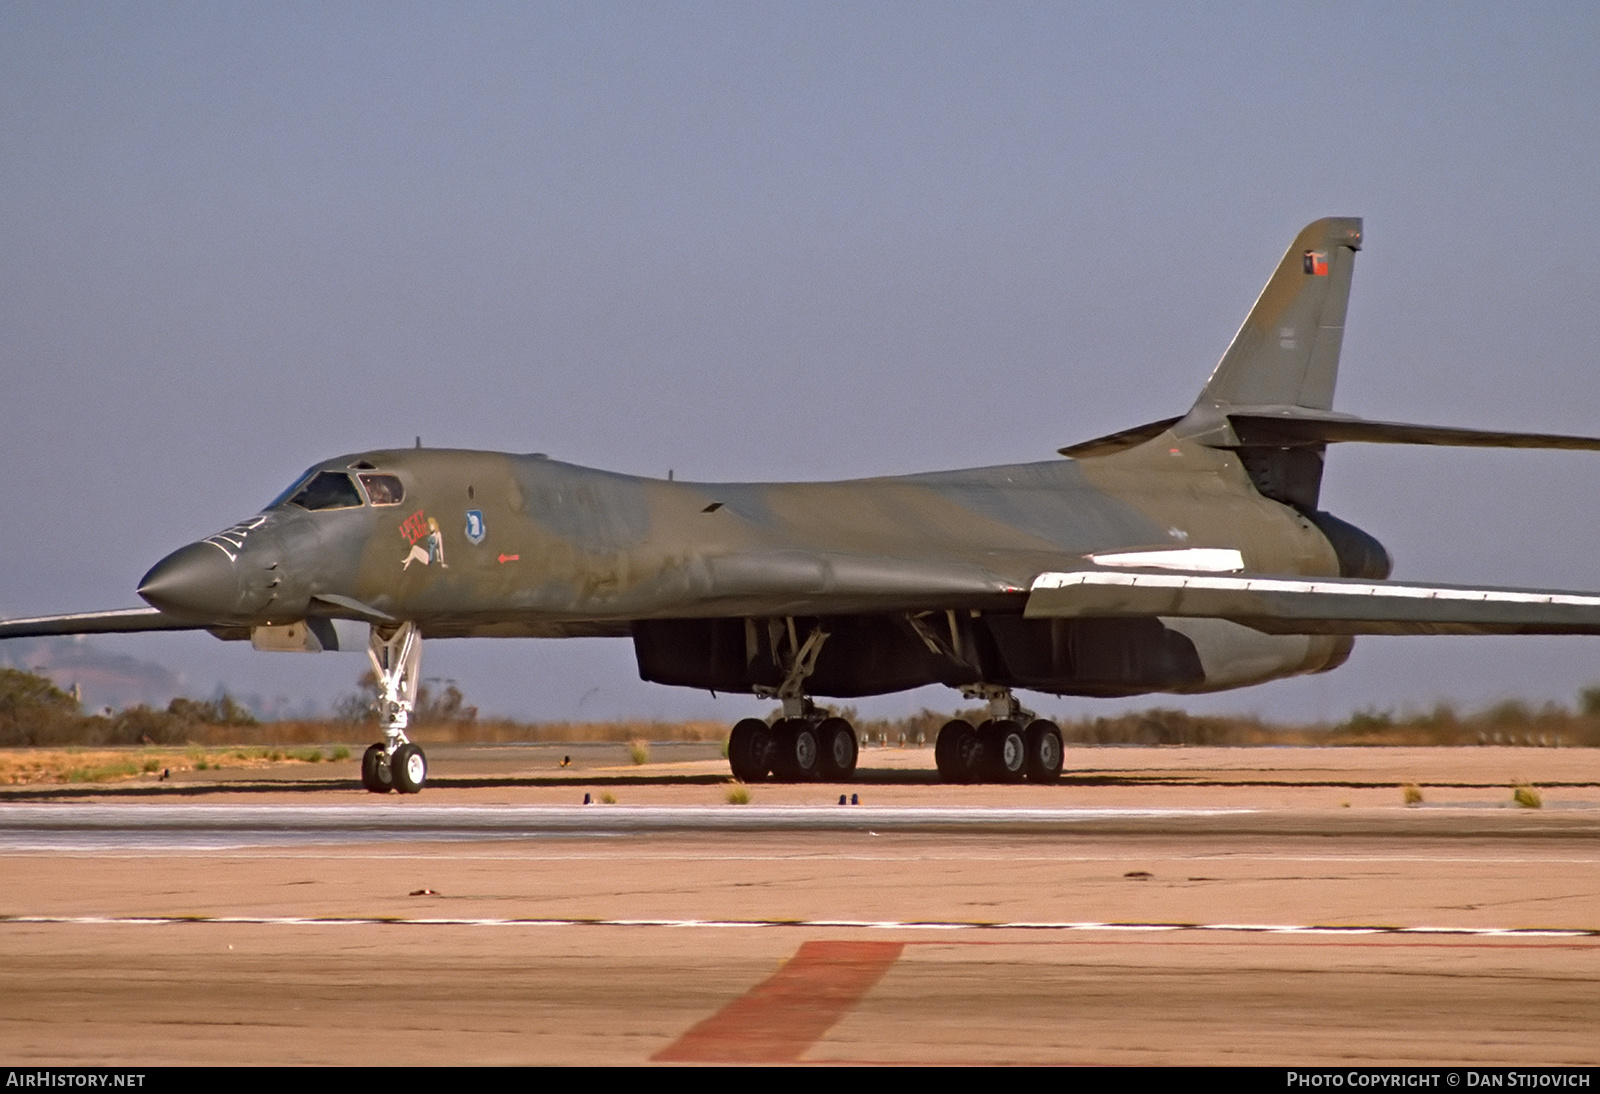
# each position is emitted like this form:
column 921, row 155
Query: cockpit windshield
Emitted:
column 294, row 489
column 327, row 490
column 316, row 490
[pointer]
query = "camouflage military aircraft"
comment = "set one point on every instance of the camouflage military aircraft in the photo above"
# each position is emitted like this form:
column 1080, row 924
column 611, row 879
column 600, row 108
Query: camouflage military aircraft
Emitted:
column 1185, row 555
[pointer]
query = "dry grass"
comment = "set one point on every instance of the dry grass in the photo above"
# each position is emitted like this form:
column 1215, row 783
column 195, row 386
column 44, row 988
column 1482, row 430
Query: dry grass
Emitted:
column 23, row 766
column 481, row 731
column 1509, row 723
column 1412, row 794
column 1526, row 796
column 738, row 794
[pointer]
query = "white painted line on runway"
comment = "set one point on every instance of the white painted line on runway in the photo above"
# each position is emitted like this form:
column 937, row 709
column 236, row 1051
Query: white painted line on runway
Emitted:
column 625, row 852
column 62, row 827
column 365, row 819
column 811, row 924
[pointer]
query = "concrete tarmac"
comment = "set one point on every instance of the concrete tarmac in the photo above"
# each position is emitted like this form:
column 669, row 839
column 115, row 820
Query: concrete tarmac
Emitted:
column 1163, row 906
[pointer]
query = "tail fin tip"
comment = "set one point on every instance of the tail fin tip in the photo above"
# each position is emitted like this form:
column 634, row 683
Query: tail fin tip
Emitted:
column 1287, row 351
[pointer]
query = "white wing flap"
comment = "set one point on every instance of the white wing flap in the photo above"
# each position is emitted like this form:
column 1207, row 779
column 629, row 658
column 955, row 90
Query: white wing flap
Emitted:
column 1285, row 605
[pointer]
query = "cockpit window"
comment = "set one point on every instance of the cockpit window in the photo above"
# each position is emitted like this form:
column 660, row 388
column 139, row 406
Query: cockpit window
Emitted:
column 384, row 489
column 327, row 490
column 294, row 488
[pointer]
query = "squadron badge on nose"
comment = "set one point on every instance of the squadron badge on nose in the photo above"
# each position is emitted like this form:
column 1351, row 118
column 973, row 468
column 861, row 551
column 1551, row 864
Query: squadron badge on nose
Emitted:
column 476, row 529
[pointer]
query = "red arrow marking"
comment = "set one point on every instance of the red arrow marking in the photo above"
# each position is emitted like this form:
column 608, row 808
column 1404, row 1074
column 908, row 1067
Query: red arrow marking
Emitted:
column 510, row 558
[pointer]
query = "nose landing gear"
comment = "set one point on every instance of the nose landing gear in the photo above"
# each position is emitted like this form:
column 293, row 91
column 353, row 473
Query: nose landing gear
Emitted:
column 396, row 764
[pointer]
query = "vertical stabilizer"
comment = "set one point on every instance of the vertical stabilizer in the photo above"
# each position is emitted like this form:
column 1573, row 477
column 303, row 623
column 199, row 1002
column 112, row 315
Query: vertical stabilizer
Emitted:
column 1287, row 352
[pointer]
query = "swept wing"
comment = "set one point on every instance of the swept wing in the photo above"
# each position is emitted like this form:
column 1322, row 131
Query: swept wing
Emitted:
column 120, row 621
column 1284, row 605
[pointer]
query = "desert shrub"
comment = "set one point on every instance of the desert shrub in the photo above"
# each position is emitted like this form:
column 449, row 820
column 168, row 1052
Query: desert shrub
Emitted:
column 33, row 711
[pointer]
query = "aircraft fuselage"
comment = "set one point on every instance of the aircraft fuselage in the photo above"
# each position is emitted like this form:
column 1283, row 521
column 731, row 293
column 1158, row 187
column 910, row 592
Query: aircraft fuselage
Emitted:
column 498, row 545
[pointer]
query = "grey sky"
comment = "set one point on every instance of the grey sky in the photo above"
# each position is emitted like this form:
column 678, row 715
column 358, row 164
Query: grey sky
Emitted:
column 776, row 241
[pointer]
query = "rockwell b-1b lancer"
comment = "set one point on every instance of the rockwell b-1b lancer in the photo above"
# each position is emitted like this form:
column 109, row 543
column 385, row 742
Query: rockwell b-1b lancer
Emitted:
column 1186, row 555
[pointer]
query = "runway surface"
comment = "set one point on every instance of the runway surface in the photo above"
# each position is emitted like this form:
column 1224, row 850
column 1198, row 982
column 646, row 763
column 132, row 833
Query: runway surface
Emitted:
column 1075, row 929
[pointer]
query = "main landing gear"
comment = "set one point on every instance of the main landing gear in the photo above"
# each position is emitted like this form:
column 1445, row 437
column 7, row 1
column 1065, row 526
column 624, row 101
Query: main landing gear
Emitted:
column 1007, row 748
column 1010, row 746
column 804, row 745
column 396, row 764
column 805, row 748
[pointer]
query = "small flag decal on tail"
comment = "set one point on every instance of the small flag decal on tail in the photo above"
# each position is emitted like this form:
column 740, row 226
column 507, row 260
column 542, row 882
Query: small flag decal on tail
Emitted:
column 1317, row 263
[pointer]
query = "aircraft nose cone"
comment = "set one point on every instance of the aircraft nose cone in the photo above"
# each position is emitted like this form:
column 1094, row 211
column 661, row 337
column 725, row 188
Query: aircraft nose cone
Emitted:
column 198, row 581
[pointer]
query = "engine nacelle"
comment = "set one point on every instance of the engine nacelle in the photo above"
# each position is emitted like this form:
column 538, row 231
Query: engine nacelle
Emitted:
column 1359, row 554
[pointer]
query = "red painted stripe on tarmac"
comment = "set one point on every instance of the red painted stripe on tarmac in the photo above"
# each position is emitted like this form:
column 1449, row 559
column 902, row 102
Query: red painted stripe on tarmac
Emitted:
column 779, row 1019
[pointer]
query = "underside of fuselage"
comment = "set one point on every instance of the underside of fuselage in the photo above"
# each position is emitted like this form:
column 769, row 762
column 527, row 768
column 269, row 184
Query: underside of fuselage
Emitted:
column 876, row 654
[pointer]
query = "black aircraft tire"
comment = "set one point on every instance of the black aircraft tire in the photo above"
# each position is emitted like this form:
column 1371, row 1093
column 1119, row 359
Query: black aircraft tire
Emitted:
column 782, row 745
column 1005, row 751
column 1046, row 756
column 837, row 749
column 750, row 750
column 944, row 752
column 795, row 753
column 375, row 774
column 410, row 768
column 957, row 752
column 800, row 751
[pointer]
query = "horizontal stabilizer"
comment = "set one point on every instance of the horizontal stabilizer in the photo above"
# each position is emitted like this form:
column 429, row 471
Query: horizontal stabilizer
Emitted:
column 121, row 621
column 1297, row 428
column 1300, row 427
column 1279, row 605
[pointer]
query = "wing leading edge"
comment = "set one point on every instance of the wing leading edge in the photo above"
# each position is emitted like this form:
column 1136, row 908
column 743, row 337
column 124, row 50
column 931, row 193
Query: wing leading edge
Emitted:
column 1281, row 605
column 121, row 621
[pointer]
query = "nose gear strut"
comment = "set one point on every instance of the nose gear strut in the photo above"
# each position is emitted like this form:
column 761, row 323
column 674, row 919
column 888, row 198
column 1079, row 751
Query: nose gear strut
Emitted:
column 396, row 764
